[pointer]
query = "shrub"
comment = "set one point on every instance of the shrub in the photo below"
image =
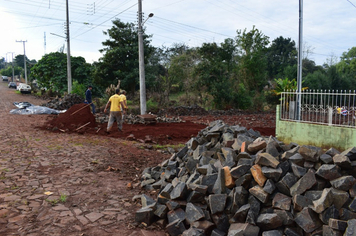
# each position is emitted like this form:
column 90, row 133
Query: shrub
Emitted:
column 79, row 89
column 152, row 106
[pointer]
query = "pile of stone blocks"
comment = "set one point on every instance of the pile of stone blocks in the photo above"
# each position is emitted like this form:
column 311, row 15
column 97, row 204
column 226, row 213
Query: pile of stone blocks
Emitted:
column 65, row 102
column 231, row 181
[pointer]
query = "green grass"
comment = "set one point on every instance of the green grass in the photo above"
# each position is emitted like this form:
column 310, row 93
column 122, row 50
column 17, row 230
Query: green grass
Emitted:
column 175, row 96
column 152, row 105
column 63, row 198
column 176, row 146
column 52, row 202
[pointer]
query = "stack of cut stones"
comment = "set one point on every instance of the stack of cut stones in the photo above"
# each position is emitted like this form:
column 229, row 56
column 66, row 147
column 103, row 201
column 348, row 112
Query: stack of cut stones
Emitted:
column 231, row 181
column 65, row 102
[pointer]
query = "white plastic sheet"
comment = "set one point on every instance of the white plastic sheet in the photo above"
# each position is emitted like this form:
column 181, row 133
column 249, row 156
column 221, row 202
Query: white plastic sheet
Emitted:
column 26, row 108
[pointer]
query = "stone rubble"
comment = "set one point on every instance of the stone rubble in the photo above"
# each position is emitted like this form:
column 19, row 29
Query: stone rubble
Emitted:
column 65, row 102
column 231, row 181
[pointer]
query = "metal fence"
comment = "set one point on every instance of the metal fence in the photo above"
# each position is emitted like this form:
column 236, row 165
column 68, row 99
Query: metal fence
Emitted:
column 335, row 108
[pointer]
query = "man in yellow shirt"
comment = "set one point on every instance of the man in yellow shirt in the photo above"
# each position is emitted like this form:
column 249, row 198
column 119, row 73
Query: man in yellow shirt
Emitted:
column 123, row 97
column 115, row 102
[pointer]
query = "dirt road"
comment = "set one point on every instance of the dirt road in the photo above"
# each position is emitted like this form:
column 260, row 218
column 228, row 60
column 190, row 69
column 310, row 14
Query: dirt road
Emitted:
column 66, row 184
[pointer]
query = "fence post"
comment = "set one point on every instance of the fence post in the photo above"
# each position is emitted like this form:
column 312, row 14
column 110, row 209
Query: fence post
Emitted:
column 330, row 116
column 292, row 110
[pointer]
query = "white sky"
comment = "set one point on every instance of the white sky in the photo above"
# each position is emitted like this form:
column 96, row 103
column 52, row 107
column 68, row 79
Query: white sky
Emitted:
column 329, row 26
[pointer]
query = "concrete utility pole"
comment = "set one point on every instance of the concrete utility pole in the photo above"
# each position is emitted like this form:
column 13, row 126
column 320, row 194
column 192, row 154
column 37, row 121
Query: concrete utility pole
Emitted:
column 24, row 58
column 13, row 71
column 69, row 70
column 300, row 61
column 12, row 64
column 141, row 59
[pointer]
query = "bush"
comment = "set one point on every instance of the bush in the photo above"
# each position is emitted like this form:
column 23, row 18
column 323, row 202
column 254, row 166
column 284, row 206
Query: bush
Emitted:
column 152, row 106
column 189, row 99
column 79, row 89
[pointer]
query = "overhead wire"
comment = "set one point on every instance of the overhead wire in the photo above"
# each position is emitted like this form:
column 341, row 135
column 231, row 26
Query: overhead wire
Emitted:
column 81, row 22
column 108, row 19
column 351, row 3
column 107, row 15
column 182, row 31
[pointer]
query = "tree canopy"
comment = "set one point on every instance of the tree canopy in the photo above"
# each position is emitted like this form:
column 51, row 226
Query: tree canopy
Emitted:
column 51, row 71
column 240, row 72
column 120, row 59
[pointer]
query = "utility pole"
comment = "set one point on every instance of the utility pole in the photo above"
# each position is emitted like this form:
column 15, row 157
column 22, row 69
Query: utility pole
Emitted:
column 13, row 71
column 12, row 63
column 300, row 61
column 69, row 70
column 24, row 58
column 141, row 61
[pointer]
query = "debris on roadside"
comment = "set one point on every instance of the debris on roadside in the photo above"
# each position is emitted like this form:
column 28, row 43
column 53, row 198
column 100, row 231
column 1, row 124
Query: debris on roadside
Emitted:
column 26, row 108
column 230, row 181
column 65, row 102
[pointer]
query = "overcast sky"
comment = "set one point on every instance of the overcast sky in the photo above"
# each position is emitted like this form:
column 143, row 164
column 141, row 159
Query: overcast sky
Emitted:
column 329, row 26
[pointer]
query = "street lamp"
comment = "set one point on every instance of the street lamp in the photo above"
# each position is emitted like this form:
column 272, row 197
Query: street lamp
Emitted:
column 143, row 108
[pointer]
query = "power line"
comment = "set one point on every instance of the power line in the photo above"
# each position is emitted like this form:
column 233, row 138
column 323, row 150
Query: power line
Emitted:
column 107, row 20
column 193, row 27
column 351, row 3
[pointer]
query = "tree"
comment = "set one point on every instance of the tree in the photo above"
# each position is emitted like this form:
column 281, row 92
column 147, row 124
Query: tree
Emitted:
column 347, row 68
column 19, row 60
column 252, row 58
column 8, row 71
column 216, row 73
column 2, row 63
column 120, row 60
column 50, row 72
column 181, row 70
column 317, row 80
column 159, row 64
column 281, row 53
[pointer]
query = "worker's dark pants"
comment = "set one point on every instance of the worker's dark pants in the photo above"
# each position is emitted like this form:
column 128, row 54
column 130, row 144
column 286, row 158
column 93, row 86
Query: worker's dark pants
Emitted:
column 93, row 108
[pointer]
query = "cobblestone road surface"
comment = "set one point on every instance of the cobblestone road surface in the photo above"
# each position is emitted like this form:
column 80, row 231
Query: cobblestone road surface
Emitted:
column 58, row 184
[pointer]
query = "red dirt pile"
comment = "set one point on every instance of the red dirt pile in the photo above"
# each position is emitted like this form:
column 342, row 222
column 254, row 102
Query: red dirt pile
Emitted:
column 77, row 116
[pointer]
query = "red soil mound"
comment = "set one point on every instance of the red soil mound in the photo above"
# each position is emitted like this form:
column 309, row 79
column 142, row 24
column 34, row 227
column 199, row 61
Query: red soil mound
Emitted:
column 79, row 119
column 77, row 116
